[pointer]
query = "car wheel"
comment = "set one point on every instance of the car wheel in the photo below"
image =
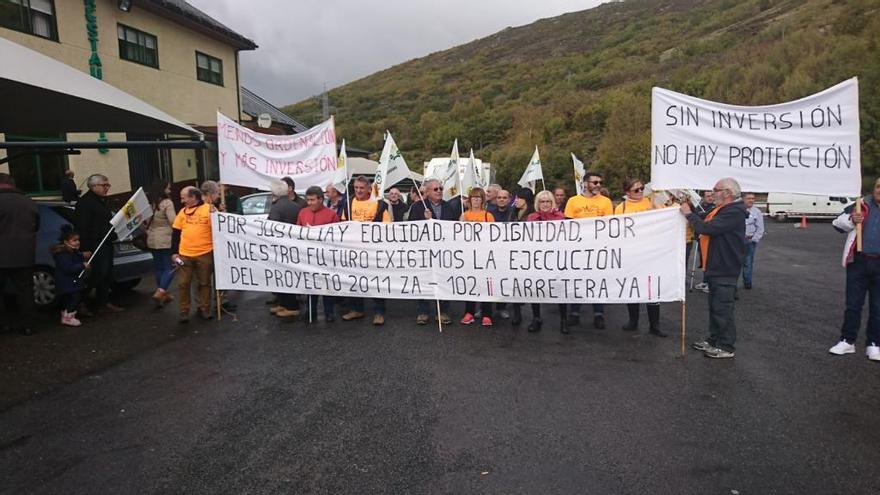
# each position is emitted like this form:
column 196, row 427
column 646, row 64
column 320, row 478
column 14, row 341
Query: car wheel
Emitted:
column 126, row 285
column 781, row 217
column 44, row 287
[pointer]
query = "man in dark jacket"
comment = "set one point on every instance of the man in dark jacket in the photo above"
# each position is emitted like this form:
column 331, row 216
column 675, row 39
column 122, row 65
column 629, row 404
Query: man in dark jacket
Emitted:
column 502, row 210
column 285, row 210
column 69, row 192
column 396, row 204
column 19, row 223
column 432, row 207
column 723, row 247
column 291, row 193
column 92, row 219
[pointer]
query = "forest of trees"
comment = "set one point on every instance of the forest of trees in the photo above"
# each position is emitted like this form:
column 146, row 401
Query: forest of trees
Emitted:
column 582, row 82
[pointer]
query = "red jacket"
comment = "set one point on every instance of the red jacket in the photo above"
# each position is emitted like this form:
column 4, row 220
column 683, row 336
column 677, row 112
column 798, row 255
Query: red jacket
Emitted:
column 553, row 214
column 309, row 218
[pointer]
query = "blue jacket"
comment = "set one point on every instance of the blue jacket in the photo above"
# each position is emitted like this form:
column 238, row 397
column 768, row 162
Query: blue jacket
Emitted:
column 68, row 264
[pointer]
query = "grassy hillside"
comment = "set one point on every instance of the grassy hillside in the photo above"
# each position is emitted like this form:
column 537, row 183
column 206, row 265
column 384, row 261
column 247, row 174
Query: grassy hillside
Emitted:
column 581, row 82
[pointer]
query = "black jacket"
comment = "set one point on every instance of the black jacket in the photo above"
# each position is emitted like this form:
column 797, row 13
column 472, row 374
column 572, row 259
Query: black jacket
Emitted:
column 398, row 211
column 92, row 220
column 447, row 211
column 69, row 192
column 727, row 244
column 508, row 215
column 19, row 223
column 284, row 210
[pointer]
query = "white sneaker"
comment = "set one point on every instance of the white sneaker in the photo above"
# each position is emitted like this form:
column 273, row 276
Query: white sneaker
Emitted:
column 842, row 348
column 873, row 352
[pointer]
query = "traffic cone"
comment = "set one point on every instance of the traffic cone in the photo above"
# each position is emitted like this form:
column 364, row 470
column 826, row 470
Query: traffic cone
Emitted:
column 803, row 222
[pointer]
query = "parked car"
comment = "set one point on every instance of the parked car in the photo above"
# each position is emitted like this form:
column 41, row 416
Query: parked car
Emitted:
column 256, row 204
column 130, row 264
column 784, row 205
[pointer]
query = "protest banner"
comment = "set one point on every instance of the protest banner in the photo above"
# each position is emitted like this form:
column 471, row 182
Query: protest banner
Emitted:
column 251, row 159
column 628, row 258
column 807, row 146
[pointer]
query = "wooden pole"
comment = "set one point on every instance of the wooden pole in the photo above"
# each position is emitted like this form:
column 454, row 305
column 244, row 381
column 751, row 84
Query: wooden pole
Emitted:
column 439, row 317
column 859, row 226
column 683, row 326
column 219, row 305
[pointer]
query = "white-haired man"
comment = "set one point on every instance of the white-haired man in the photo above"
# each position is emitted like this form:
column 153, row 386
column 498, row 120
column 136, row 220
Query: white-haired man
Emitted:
column 284, row 210
column 723, row 248
column 92, row 220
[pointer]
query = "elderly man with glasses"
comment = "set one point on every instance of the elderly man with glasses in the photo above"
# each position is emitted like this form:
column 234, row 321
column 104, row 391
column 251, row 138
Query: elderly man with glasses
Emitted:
column 592, row 203
column 433, row 207
column 92, row 220
column 723, row 248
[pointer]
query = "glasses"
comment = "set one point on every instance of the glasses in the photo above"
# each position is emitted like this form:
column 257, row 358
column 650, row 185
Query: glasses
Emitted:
column 595, row 182
column 637, row 189
column 103, row 185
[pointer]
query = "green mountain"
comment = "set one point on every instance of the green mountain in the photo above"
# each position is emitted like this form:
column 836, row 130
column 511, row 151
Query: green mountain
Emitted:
column 581, row 82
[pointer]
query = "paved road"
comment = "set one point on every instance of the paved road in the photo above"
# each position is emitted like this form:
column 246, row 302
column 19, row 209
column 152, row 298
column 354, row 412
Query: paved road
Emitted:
column 255, row 406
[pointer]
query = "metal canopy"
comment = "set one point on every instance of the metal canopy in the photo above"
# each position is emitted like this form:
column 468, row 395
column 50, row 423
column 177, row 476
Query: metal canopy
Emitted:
column 46, row 97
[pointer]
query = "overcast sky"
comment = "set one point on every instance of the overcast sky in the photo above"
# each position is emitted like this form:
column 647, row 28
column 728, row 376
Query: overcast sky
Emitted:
column 307, row 43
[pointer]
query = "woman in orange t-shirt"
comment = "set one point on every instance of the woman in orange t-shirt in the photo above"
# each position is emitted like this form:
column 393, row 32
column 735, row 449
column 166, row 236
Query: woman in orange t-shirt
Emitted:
column 635, row 202
column 477, row 213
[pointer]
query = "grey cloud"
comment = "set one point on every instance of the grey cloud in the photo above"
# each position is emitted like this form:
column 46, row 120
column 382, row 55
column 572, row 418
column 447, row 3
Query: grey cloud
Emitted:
column 305, row 44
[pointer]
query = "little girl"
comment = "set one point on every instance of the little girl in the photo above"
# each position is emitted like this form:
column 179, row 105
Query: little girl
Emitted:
column 69, row 263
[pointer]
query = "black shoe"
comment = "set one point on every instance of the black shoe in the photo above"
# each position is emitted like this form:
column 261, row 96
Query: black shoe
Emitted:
column 599, row 322
column 183, row 319
column 657, row 332
column 516, row 319
column 84, row 311
column 206, row 315
column 747, row 286
column 535, row 325
column 631, row 326
column 573, row 320
column 228, row 306
column 563, row 326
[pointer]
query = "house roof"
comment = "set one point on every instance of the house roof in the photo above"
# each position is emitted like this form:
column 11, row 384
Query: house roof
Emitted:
column 253, row 105
column 182, row 12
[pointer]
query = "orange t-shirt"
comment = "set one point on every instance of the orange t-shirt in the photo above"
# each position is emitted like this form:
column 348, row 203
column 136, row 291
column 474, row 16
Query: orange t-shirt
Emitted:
column 583, row 207
column 477, row 216
column 628, row 206
column 195, row 230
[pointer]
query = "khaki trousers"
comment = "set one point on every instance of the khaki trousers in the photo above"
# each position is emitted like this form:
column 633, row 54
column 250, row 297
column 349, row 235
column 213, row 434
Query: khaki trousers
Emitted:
column 201, row 267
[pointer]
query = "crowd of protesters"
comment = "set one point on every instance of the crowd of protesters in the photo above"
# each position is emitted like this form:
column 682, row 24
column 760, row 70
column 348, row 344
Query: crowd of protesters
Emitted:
column 726, row 223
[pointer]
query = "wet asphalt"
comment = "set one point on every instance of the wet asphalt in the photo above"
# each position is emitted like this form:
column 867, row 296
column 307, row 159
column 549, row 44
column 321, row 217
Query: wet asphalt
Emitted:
column 138, row 404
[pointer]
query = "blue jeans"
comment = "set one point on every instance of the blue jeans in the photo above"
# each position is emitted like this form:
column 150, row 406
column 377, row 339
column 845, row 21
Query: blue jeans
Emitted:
column 862, row 276
column 749, row 263
column 162, row 267
column 722, row 325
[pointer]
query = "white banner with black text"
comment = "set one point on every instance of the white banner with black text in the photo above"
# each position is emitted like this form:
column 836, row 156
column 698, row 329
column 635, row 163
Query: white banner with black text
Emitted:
column 807, row 146
column 620, row 259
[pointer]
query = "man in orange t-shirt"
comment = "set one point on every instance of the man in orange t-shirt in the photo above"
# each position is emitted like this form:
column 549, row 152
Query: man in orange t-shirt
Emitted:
column 587, row 205
column 193, row 249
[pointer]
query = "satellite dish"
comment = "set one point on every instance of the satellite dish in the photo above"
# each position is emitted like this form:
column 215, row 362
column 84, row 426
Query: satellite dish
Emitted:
column 264, row 120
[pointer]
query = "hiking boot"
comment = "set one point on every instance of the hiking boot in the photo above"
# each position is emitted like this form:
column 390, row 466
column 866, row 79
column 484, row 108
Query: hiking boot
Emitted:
column 287, row 313
column 422, row 320
column 379, row 320
column 353, row 315
column 842, row 347
column 718, row 353
column 445, row 319
column 467, row 319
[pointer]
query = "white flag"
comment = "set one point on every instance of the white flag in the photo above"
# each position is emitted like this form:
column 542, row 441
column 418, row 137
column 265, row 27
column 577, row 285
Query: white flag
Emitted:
column 449, row 176
column 471, row 178
column 132, row 214
column 392, row 168
column 533, row 172
column 340, row 177
column 578, row 174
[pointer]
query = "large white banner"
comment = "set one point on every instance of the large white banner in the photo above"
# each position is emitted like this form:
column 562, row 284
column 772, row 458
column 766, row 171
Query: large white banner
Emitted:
column 808, row 146
column 629, row 258
column 251, row 159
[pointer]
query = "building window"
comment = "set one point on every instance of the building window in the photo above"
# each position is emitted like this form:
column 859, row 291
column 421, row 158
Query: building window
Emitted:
column 36, row 173
column 209, row 69
column 36, row 17
column 137, row 46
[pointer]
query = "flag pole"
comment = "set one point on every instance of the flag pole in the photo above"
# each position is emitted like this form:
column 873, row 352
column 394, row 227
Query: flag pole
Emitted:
column 96, row 251
column 683, row 325
column 439, row 317
column 859, row 226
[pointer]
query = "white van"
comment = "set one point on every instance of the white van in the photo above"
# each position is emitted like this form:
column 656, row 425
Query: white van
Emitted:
column 784, row 205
